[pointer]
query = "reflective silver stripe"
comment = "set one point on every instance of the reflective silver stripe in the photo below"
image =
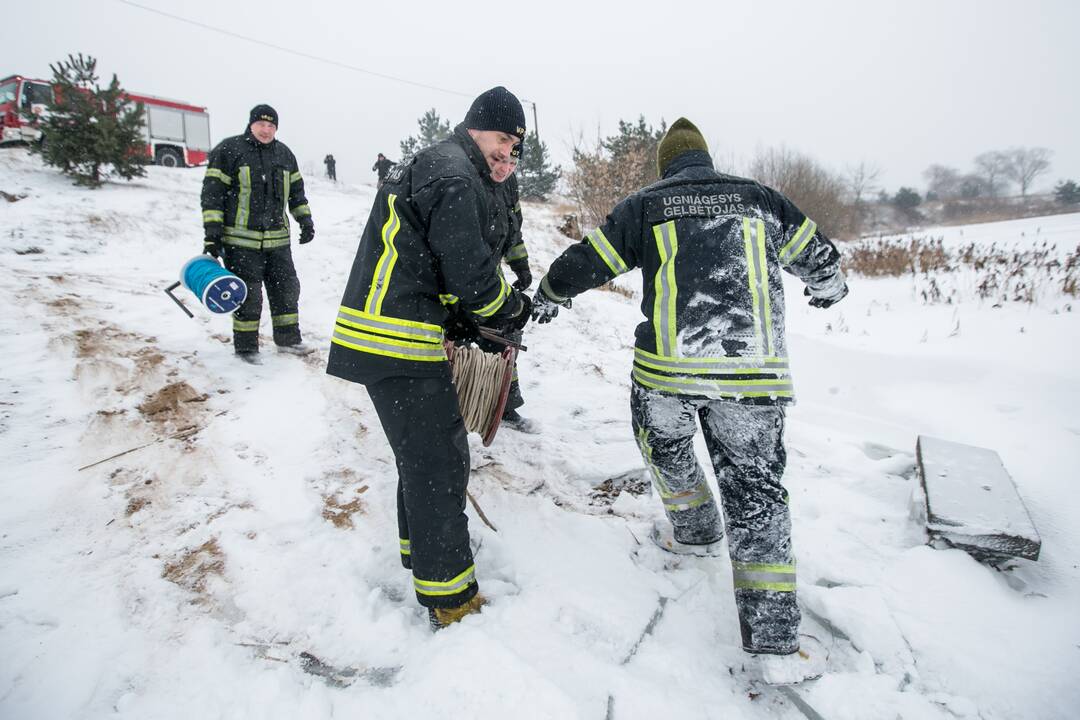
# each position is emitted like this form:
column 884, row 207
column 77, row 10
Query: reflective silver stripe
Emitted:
column 257, row 234
column 707, row 387
column 218, row 175
column 280, row 242
column 241, row 242
column 245, row 325
column 758, row 271
column 517, row 252
column 301, row 211
column 389, row 327
column 405, row 351
column 285, row 203
column 213, row 216
column 448, row 587
column 715, row 365
column 799, row 242
column 606, row 252
column 686, row 501
column 385, row 265
column 492, row 307
column 243, row 198
column 405, row 545
column 764, row 576
column 546, row 287
column 282, row 320
column 666, row 289
column 295, row 177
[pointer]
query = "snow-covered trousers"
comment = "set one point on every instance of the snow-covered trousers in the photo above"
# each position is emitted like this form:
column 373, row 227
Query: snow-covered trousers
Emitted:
column 746, row 446
column 274, row 269
column 423, row 425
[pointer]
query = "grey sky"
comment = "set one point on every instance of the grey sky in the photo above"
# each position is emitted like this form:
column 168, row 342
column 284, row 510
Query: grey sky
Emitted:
column 898, row 84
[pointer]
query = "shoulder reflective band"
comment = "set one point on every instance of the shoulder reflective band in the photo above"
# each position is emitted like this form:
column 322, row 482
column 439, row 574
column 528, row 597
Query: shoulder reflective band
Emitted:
column 712, row 365
column 492, row 307
column 715, row 388
column 245, row 325
column 405, row 545
column 212, row 216
column 448, row 587
column 764, row 576
column 283, row 320
column 218, row 175
column 758, row 275
column 243, row 199
column 606, row 252
column 385, row 325
column 667, row 244
column 385, row 266
column 799, row 242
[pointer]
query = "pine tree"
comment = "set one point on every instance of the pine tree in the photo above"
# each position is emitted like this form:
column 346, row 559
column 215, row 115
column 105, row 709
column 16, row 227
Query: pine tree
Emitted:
column 536, row 177
column 1067, row 192
column 433, row 129
column 89, row 129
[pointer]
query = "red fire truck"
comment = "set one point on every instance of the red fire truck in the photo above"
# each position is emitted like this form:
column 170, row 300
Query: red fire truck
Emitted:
column 177, row 134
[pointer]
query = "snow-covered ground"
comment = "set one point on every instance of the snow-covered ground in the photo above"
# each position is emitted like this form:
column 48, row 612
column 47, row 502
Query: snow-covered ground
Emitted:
column 184, row 579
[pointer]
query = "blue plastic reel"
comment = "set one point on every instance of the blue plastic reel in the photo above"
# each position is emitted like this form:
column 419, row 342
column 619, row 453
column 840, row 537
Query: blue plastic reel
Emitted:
column 217, row 289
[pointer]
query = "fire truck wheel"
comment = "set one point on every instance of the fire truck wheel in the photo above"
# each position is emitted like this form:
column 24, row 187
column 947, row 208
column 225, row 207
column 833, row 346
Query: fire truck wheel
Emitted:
column 169, row 157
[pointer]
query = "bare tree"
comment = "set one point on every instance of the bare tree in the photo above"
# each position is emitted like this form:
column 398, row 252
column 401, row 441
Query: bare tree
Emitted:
column 815, row 190
column 992, row 168
column 943, row 182
column 1026, row 164
column 862, row 181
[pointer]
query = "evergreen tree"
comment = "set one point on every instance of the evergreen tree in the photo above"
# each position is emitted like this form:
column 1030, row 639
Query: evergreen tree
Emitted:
column 536, row 177
column 433, row 129
column 1067, row 192
column 90, row 129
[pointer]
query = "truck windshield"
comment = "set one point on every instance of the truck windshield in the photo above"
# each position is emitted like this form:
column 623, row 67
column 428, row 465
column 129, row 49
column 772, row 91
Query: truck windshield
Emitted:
column 7, row 92
column 37, row 94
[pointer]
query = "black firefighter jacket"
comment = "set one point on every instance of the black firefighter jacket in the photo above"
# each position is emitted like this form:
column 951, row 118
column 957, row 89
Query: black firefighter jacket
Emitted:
column 247, row 189
column 427, row 245
column 512, row 248
column 710, row 248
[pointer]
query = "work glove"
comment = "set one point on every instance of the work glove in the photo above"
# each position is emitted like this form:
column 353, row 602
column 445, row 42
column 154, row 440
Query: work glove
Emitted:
column 544, row 308
column 524, row 277
column 307, row 230
column 460, row 329
column 824, row 302
column 213, row 241
column 518, row 321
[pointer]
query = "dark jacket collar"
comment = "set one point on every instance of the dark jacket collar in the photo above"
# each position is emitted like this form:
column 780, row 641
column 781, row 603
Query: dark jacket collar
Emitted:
column 472, row 151
column 690, row 158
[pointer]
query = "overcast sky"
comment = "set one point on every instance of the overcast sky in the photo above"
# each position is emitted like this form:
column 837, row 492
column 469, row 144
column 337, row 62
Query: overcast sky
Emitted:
column 900, row 85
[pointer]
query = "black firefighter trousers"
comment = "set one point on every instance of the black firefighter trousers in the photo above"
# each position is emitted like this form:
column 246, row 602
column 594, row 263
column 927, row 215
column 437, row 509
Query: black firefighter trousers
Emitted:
column 746, row 446
column 273, row 268
column 423, row 425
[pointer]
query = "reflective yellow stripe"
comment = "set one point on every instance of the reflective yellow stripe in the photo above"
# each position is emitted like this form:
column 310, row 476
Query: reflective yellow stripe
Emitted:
column 758, row 277
column 447, row 299
column 764, row 576
column 295, row 177
column 388, row 347
column 280, row 233
column 386, row 325
column 283, row 320
column 209, row 216
column 646, row 454
column 380, row 282
column 285, row 202
column 218, row 175
column 243, row 198
column 490, row 309
column 712, row 365
column 606, row 252
column 241, row 242
column 301, row 211
column 245, row 325
column 447, row 587
column 798, row 242
column 667, row 244
column 517, row 252
column 405, row 545
column 715, row 388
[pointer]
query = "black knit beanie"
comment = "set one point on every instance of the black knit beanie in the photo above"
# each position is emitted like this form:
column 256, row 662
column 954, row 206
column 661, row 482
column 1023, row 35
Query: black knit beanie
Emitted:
column 497, row 109
column 263, row 112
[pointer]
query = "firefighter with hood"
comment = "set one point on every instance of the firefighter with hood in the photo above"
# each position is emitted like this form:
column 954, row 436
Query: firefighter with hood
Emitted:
column 382, row 167
column 711, row 350
column 252, row 183
column 427, row 247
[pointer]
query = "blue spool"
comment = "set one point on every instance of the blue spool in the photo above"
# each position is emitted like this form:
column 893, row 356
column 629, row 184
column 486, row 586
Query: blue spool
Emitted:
column 217, row 289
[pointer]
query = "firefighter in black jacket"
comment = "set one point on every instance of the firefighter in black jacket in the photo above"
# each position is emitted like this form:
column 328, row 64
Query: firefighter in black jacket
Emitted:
column 426, row 246
column 251, row 181
column 710, row 248
column 382, row 167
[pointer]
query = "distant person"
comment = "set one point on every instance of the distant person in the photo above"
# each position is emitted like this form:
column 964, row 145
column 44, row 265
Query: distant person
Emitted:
column 251, row 180
column 712, row 351
column 382, row 166
column 331, row 167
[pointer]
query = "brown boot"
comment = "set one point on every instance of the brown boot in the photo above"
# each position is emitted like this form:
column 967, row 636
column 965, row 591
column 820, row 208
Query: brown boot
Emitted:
column 444, row 617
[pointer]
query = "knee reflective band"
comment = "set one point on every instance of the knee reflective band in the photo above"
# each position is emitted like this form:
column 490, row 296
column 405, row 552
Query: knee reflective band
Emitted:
column 764, row 576
column 758, row 275
column 405, row 545
column 245, row 325
column 283, row 320
column 606, row 252
column 673, row 501
column 798, row 242
column 448, row 587
column 667, row 244
column 380, row 282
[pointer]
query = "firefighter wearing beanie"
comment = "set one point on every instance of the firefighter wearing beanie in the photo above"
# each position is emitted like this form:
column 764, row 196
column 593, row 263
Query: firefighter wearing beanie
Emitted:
column 711, row 348
column 425, row 252
column 252, row 184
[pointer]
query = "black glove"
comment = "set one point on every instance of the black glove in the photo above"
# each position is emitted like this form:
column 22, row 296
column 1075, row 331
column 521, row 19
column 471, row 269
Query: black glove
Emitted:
column 820, row 302
column 307, row 230
column 213, row 241
column 518, row 321
column 524, row 277
column 544, row 308
column 459, row 328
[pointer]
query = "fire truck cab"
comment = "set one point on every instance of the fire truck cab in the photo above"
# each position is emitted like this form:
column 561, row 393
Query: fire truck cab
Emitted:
column 177, row 133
